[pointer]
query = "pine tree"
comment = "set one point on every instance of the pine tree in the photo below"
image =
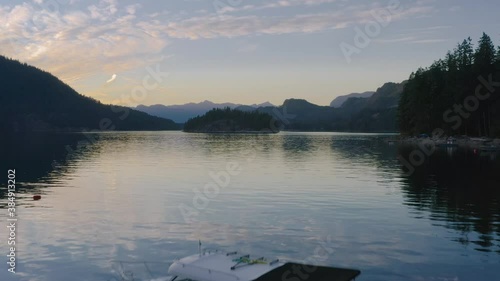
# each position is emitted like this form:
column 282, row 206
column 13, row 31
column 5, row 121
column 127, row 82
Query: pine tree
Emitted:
column 465, row 54
column 429, row 96
column 451, row 62
column 485, row 53
column 497, row 58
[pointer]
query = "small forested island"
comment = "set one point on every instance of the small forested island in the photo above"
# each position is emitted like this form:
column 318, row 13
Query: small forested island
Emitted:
column 456, row 96
column 229, row 120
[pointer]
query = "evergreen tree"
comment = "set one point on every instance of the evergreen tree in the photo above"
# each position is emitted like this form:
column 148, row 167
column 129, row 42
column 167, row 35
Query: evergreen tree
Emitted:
column 485, row 54
column 497, row 58
column 230, row 120
column 433, row 96
column 465, row 54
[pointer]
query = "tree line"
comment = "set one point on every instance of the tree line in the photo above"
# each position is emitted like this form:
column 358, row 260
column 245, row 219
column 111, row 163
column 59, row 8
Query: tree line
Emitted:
column 34, row 100
column 230, row 120
column 458, row 94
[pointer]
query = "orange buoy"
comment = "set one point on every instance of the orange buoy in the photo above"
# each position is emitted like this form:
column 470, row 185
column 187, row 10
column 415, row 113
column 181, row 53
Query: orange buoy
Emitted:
column 37, row 197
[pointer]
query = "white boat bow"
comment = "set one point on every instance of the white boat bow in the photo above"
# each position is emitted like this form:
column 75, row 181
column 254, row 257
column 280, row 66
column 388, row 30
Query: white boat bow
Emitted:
column 214, row 265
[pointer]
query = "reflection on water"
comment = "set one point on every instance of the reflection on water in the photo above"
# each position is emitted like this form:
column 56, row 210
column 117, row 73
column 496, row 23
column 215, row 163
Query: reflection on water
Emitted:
column 115, row 197
column 299, row 144
column 40, row 158
column 459, row 190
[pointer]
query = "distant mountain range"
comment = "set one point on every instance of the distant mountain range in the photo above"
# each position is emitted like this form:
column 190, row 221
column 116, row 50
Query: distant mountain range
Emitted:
column 35, row 100
column 376, row 113
column 367, row 112
column 48, row 104
column 339, row 101
column 182, row 113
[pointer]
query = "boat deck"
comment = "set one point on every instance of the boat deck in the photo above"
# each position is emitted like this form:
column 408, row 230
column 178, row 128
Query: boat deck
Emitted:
column 222, row 266
column 218, row 266
column 296, row 271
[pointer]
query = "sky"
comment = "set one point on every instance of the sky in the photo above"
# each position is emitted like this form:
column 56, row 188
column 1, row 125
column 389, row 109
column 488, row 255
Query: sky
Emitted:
column 179, row 51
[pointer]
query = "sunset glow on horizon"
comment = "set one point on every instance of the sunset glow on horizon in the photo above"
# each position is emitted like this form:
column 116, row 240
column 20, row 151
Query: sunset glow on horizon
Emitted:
column 148, row 52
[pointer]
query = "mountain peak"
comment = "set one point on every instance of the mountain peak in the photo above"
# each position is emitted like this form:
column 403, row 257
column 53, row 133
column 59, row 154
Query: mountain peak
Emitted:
column 182, row 112
column 264, row 104
column 298, row 102
column 340, row 100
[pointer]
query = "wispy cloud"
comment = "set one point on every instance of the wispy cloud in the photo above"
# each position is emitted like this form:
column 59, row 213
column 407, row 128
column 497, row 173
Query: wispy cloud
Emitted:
column 411, row 40
column 82, row 39
column 396, row 40
column 113, row 77
column 76, row 43
column 210, row 27
column 273, row 5
column 429, row 41
column 230, row 26
column 421, row 35
column 430, row 29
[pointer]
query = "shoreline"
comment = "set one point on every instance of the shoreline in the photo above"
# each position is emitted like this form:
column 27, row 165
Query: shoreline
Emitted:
column 232, row 132
column 481, row 143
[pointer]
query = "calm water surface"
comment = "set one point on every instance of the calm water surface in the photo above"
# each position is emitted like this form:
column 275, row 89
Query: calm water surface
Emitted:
column 335, row 199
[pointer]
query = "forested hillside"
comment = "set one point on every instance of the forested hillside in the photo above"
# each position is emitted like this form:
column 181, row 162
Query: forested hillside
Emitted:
column 35, row 100
column 458, row 94
column 231, row 120
column 376, row 113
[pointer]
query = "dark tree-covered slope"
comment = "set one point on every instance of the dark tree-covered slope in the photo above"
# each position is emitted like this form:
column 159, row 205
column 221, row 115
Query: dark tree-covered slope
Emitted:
column 35, row 100
column 374, row 114
column 377, row 113
column 340, row 100
column 306, row 116
column 458, row 94
column 231, row 120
